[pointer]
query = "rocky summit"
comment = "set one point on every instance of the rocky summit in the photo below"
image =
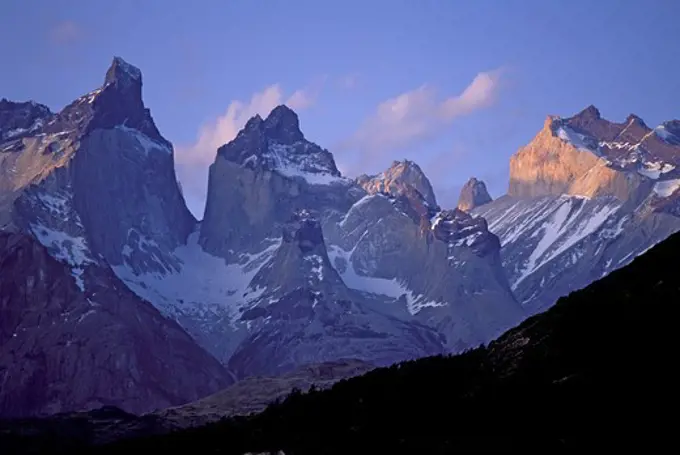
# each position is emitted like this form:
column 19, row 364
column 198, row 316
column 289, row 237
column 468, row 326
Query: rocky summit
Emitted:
column 403, row 177
column 107, row 275
column 586, row 196
column 83, row 191
column 473, row 194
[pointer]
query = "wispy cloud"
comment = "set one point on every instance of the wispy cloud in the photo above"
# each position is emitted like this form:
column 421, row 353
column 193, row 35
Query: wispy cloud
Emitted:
column 65, row 32
column 305, row 98
column 349, row 81
column 301, row 99
column 399, row 121
column 192, row 160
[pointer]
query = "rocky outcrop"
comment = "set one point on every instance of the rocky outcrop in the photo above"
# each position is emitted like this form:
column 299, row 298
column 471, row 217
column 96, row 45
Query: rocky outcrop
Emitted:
column 586, row 155
column 92, row 187
column 391, row 286
column 444, row 269
column 103, row 160
column 62, row 349
column 553, row 165
column 401, row 178
column 472, row 195
column 263, row 176
column 306, row 314
column 21, row 119
column 586, row 196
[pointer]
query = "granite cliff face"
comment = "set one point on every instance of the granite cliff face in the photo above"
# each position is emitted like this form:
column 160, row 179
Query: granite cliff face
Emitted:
column 99, row 170
column 292, row 264
column 394, row 285
column 92, row 186
column 308, row 315
column 586, row 196
column 444, row 271
column 63, row 349
column 263, row 176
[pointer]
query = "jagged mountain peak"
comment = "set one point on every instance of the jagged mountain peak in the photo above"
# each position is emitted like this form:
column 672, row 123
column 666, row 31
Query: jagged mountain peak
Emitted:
column 588, row 155
column 405, row 167
column 669, row 132
column 400, row 179
column 633, row 118
column 283, row 119
column 277, row 144
column 117, row 103
column 253, row 123
column 589, row 122
column 590, row 112
column 21, row 118
column 122, row 73
column 102, row 158
column 300, row 262
column 473, row 194
column 283, row 125
column 457, row 228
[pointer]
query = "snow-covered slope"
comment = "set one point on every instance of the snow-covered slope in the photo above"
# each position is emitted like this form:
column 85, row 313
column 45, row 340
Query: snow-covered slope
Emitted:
column 308, row 314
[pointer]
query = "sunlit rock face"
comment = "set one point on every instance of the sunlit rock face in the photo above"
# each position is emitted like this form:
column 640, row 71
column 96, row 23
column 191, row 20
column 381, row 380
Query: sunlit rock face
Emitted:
column 586, row 196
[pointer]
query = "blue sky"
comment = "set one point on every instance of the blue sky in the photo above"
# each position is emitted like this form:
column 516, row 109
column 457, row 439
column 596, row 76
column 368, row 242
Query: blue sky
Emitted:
column 372, row 80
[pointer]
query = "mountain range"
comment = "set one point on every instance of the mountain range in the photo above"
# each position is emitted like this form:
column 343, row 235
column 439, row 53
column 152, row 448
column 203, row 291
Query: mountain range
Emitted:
column 595, row 371
column 112, row 293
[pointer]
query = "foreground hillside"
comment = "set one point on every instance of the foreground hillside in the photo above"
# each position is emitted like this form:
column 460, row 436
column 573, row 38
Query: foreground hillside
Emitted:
column 593, row 371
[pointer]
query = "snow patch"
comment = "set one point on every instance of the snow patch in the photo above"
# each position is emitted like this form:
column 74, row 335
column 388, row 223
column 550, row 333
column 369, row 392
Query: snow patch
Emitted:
column 663, row 133
column 649, row 173
column 576, row 139
column 145, row 141
column 205, row 286
column 562, row 230
column 289, row 162
column 18, row 131
column 666, row 187
column 654, row 170
column 66, row 248
column 363, row 201
column 468, row 240
column 309, row 177
column 317, row 267
column 250, row 159
column 393, row 288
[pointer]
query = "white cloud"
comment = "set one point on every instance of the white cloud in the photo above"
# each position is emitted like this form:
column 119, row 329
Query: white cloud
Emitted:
column 192, row 161
column 479, row 94
column 225, row 127
column 399, row 121
column 305, row 98
column 301, row 99
column 65, row 32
